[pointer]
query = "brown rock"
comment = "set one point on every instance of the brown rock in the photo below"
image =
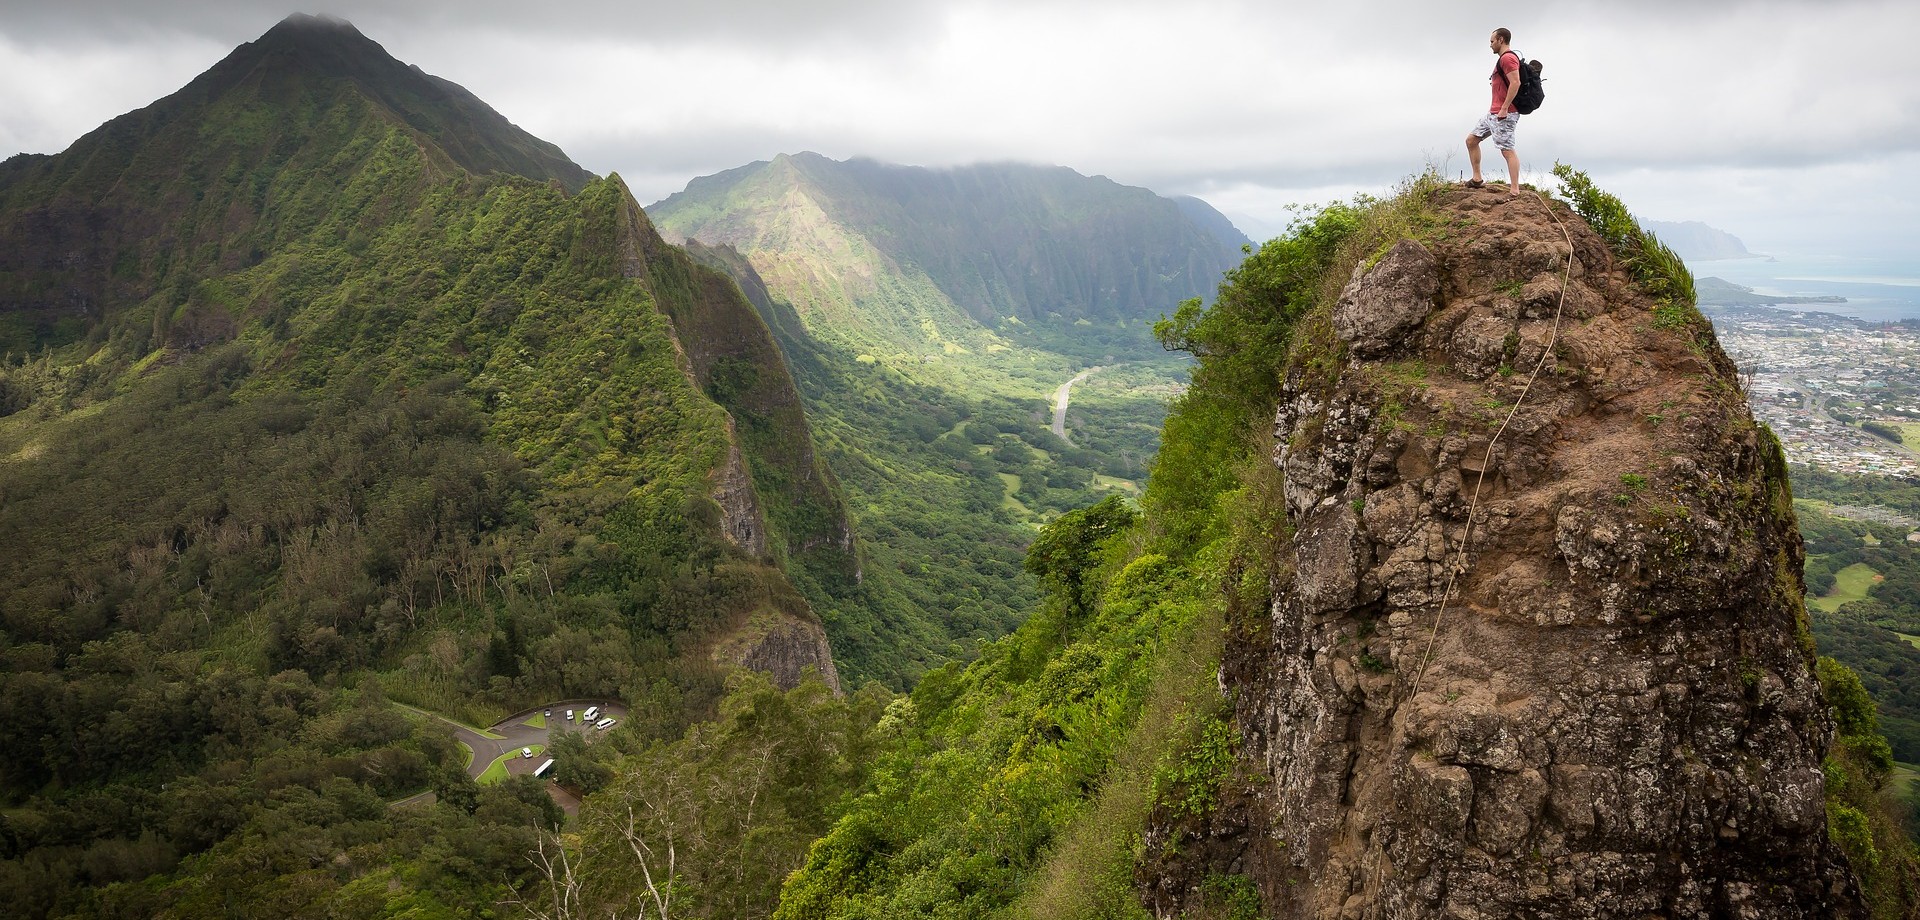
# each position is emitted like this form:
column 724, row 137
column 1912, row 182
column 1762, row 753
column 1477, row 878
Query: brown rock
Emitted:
column 1382, row 304
column 1618, row 717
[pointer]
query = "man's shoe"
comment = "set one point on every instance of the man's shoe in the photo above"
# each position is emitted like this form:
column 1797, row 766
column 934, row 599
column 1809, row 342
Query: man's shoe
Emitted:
column 1474, row 183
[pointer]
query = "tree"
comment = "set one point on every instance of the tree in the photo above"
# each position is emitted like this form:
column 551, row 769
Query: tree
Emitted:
column 1068, row 550
column 573, row 763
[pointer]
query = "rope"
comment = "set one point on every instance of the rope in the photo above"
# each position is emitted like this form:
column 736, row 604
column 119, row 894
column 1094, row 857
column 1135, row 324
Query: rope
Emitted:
column 1473, row 506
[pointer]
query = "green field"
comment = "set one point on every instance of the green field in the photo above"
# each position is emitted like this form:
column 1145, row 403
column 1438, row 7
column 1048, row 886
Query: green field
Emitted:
column 1909, row 433
column 1902, row 784
column 539, row 720
column 1007, row 501
column 1849, row 584
column 497, row 771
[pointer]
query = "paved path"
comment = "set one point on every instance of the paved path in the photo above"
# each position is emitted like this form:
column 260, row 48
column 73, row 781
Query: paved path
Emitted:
column 1060, row 403
column 513, row 734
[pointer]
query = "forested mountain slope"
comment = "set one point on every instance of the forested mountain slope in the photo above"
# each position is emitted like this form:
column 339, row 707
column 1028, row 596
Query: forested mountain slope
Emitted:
column 1243, row 701
column 326, row 384
column 166, row 193
column 932, row 318
column 916, row 258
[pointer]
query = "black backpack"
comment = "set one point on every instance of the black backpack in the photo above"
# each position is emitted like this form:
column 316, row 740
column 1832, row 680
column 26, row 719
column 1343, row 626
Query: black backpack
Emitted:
column 1531, row 93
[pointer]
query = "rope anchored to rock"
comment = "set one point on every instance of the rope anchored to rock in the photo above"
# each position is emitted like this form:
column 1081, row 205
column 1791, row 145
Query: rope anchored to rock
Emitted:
column 1486, row 462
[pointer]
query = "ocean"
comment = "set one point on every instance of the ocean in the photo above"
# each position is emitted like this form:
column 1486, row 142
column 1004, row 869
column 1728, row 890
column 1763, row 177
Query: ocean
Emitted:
column 1875, row 289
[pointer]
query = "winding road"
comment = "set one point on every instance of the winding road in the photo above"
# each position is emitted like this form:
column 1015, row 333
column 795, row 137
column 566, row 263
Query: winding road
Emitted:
column 513, row 733
column 1060, row 403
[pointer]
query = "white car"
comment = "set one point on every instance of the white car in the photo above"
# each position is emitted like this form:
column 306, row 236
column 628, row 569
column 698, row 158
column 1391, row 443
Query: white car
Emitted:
column 569, row 715
column 526, row 752
column 604, row 723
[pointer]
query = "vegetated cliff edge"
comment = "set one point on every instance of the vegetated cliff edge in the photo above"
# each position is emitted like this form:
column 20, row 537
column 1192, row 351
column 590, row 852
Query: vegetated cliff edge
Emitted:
column 1617, row 714
column 730, row 354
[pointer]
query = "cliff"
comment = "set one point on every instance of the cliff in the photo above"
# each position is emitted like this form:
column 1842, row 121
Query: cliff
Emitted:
column 1537, row 646
column 777, row 499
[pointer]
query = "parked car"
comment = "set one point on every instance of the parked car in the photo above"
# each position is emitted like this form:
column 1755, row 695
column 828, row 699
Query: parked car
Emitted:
column 604, row 723
column 569, row 715
column 526, row 752
column 547, row 714
column 591, row 712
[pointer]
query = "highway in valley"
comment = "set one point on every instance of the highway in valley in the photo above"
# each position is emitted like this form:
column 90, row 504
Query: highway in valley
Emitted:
column 1060, row 403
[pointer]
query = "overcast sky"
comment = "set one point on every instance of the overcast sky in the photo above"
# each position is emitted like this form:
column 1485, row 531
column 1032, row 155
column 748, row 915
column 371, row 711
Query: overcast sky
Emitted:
column 1793, row 125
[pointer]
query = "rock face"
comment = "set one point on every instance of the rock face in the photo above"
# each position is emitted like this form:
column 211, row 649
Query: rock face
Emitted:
column 1617, row 714
column 1382, row 304
column 740, row 517
column 781, row 646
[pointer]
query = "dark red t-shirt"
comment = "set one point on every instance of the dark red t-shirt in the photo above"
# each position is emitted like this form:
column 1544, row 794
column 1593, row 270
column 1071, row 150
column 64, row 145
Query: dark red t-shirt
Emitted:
column 1507, row 69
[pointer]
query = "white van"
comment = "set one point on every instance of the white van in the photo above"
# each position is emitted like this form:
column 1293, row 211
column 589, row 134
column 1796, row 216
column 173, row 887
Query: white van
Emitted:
column 604, row 723
column 590, row 713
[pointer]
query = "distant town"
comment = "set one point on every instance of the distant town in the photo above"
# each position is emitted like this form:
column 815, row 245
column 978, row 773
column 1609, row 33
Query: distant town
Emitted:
column 1843, row 394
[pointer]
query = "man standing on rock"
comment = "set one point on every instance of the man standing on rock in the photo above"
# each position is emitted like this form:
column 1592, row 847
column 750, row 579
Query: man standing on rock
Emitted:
column 1501, row 116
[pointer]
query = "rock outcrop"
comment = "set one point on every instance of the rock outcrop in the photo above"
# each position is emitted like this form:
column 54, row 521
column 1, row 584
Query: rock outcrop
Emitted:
column 1616, row 715
column 782, row 646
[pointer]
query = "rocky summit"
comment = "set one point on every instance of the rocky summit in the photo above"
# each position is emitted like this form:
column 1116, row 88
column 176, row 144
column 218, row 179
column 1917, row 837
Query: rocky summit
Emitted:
column 1538, row 647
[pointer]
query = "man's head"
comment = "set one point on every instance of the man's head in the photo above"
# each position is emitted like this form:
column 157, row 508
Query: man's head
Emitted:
column 1500, row 40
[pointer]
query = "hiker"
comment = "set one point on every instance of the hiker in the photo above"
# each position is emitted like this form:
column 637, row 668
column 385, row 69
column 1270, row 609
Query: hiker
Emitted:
column 1501, row 116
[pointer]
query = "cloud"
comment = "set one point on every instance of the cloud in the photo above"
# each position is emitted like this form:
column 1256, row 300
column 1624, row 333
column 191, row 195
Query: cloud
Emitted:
column 754, row 21
column 1234, row 100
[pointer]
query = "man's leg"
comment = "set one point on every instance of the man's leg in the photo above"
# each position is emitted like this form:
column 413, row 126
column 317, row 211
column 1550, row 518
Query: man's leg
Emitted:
column 1473, row 154
column 1513, row 170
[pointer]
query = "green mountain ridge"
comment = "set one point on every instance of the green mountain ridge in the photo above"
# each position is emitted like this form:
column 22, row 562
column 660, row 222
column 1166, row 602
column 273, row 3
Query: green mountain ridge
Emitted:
column 927, row 260
column 325, row 389
column 304, row 409
column 149, row 199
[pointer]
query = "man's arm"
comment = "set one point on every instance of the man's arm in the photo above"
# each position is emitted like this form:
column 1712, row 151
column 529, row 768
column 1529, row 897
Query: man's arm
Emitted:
column 1513, row 82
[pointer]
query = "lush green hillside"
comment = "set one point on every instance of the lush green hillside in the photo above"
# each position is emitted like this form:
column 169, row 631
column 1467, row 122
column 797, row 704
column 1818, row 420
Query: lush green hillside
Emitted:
column 1870, row 633
column 948, row 477
column 1085, row 762
column 323, row 411
column 930, row 317
column 1020, row 784
column 935, row 262
column 157, row 199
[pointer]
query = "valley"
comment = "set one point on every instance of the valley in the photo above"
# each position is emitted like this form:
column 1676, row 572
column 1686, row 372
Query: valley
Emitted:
column 1060, row 397
column 402, row 521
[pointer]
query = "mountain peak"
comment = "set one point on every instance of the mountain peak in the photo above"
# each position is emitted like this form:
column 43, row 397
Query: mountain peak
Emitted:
column 317, row 45
column 325, row 45
column 304, row 52
column 311, row 22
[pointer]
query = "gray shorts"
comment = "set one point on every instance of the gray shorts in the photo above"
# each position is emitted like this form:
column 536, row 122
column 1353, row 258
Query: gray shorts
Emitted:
column 1500, row 128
